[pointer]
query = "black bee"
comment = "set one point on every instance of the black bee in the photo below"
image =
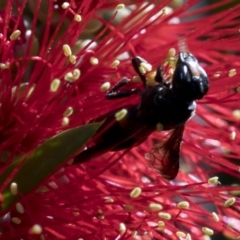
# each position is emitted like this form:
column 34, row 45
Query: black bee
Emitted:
column 167, row 105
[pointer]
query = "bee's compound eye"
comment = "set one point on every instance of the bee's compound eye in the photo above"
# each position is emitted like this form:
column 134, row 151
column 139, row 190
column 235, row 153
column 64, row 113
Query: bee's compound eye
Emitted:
column 190, row 81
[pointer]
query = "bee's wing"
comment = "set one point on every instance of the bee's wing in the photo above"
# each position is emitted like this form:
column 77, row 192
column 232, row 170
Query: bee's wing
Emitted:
column 165, row 155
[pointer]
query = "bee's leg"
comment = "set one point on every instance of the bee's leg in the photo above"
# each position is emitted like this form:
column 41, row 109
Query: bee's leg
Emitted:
column 115, row 93
column 159, row 75
column 136, row 62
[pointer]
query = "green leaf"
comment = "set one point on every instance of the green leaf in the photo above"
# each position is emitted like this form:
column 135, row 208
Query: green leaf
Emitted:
column 43, row 161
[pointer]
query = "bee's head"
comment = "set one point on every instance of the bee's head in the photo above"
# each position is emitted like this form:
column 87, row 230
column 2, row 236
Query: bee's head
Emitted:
column 190, row 81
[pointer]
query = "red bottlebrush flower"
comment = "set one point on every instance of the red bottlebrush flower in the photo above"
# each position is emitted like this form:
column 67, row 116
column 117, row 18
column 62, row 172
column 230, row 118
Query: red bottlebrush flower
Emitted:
column 56, row 60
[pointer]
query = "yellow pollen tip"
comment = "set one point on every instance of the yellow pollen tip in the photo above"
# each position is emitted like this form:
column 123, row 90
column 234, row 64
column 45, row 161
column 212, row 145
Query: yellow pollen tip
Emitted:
column 115, row 63
column 161, row 224
column 109, row 200
column 68, row 112
column 77, row 18
column 236, row 114
column 215, row 217
column 76, row 73
column 15, row 35
column 72, row 59
column 65, row 5
column 213, row 181
column 67, row 50
column 94, row 61
column 30, row 91
column 19, row 208
column 155, row 206
column 183, row 204
column 105, row 86
column 55, row 84
column 217, row 75
column 230, row 202
column 36, row 229
column 207, row 231
column 232, row 72
column 4, row 65
column 181, row 234
column 136, row 192
column 72, row 76
column 65, row 121
column 233, row 135
column 14, row 188
column 100, row 214
column 120, row 6
column 120, row 115
column 164, row 215
column 16, row 220
column 122, row 228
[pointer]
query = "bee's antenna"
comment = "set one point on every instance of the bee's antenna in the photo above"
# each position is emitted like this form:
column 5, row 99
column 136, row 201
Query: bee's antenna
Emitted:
column 182, row 45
